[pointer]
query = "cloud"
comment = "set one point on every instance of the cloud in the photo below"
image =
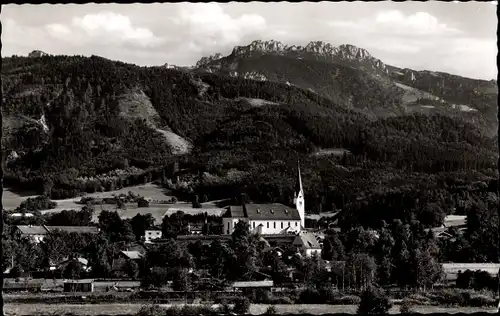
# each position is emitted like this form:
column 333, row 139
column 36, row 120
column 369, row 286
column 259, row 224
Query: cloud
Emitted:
column 395, row 22
column 209, row 26
column 103, row 28
column 109, row 26
column 58, row 30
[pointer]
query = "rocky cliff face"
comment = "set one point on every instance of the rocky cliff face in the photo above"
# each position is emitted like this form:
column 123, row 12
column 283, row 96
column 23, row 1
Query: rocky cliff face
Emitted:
column 314, row 50
column 206, row 60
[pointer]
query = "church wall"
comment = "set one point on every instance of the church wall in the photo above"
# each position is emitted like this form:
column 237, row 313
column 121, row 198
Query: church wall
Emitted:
column 229, row 223
column 275, row 227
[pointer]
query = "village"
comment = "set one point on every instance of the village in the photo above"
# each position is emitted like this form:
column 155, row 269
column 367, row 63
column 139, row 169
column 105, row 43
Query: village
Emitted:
column 280, row 230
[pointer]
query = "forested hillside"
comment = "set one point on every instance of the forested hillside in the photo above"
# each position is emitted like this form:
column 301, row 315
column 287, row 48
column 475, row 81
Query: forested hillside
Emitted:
column 69, row 129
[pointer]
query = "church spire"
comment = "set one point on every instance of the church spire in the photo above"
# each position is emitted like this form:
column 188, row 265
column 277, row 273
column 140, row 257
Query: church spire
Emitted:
column 298, row 184
column 299, row 197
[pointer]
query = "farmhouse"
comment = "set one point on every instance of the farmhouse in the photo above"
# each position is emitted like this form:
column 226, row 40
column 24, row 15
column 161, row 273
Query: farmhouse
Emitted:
column 308, row 242
column 152, row 234
column 84, row 264
column 37, row 233
column 272, row 218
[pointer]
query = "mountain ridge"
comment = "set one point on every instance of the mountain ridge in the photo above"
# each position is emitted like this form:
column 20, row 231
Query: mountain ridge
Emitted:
column 334, row 72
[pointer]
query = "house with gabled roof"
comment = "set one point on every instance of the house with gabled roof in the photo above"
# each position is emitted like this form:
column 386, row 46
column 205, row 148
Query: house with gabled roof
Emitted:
column 37, row 233
column 307, row 242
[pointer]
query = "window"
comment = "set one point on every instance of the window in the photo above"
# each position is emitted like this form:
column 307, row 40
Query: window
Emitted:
column 289, row 224
column 281, row 224
column 228, row 223
column 267, row 224
column 274, row 224
column 253, row 224
column 296, row 224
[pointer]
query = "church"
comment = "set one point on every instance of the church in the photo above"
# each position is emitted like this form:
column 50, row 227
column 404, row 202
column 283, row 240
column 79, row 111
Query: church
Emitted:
column 269, row 219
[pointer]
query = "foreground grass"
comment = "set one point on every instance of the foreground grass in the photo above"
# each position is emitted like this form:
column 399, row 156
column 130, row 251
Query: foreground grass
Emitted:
column 255, row 309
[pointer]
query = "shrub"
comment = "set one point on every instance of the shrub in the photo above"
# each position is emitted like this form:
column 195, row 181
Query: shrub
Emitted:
column 327, row 295
column 261, row 296
column 374, row 301
column 418, row 299
column 481, row 300
column 241, row 305
column 281, row 300
column 150, row 310
column 451, row 297
column 309, row 296
column 406, row 306
column 350, row 300
column 271, row 310
column 224, row 308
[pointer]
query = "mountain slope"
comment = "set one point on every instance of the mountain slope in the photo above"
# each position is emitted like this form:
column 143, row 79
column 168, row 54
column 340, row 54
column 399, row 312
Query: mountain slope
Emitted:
column 107, row 124
column 351, row 76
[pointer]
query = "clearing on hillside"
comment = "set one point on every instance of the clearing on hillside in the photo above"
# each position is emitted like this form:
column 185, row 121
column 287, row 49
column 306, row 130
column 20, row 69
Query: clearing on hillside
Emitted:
column 136, row 104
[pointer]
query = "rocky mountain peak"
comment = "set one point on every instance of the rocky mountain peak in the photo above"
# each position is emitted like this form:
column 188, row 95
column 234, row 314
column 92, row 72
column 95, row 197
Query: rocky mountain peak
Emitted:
column 354, row 52
column 271, row 46
column 320, row 47
column 315, row 49
column 206, row 60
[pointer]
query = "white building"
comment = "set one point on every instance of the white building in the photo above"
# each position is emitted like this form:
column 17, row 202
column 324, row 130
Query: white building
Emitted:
column 152, row 234
column 272, row 218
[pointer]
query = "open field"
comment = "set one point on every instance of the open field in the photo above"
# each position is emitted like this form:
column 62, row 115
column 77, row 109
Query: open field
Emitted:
column 149, row 191
column 255, row 309
column 12, row 200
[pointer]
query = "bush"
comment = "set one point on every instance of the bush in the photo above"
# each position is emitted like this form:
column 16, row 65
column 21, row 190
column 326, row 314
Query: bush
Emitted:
column 224, row 308
column 481, row 300
column 261, row 296
column 451, row 297
column 271, row 310
column 281, row 300
column 241, row 305
column 374, row 301
column 418, row 299
column 327, row 295
column 309, row 296
column 350, row 300
column 406, row 306
column 151, row 310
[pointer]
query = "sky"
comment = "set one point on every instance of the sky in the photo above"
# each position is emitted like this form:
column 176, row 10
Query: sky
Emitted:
column 458, row 38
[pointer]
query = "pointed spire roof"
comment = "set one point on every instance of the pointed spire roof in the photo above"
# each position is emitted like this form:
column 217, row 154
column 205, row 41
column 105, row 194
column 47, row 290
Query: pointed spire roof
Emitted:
column 298, row 184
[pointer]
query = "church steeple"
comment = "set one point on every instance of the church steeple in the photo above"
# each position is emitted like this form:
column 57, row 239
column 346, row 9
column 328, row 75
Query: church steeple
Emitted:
column 298, row 183
column 299, row 196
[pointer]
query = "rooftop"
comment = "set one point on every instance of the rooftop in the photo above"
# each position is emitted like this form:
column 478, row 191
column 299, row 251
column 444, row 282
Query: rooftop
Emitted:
column 133, row 255
column 32, row 230
column 308, row 240
column 274, row 211
column 247, row 284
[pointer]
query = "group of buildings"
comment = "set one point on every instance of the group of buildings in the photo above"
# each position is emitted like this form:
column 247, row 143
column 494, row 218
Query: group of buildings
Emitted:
column 279, row 225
